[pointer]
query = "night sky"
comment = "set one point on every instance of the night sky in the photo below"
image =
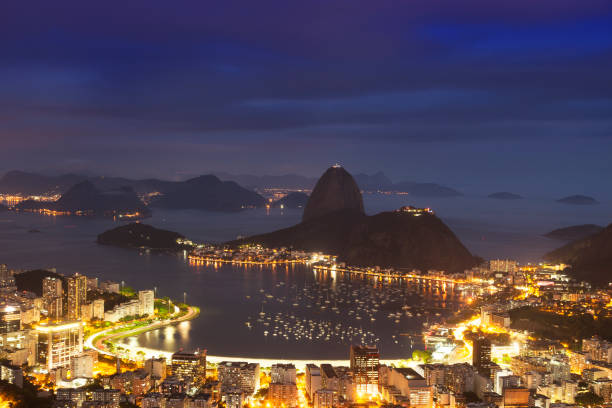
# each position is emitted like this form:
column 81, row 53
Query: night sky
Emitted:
column 480, row 95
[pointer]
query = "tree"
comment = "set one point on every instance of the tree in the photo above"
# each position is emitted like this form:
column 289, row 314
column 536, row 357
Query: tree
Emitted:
column 588, row 399
column 422, row 355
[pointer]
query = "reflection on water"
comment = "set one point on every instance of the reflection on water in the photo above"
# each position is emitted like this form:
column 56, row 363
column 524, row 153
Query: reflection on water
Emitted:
column 292, row 310
column 489, row 228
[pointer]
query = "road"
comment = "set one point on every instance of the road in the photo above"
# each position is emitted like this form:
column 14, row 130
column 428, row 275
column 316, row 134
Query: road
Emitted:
column 101, row 337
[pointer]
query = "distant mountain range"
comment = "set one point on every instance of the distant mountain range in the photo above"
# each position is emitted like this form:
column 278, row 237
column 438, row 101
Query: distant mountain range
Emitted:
column 590, row 258
column 574, row 232
column 208, row 193
column 334, row 222
column 104, row 194
column 370, row 183
column 87, row 198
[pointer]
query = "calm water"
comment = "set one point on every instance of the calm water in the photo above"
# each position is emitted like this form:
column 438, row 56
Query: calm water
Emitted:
column 489, row 228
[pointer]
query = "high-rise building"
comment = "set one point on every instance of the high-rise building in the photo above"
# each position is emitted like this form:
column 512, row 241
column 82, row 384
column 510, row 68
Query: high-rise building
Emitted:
column 481, row 354
column 146, row 300
column 109, row 397
column 7, row 280
column 98, row 309
column 10, row 318
column 238, row 374
column 283, row 374
column 11, row 374
column 54, row 306
column 325, row 398
column 329, row 377
column 52, row 287
column 81, row 366
column 283, row 389
column 189, row 366
column 58, row 343
column 283, row 394
column 313, row 380
column 156, row 367
column 77, row 295
column 364, row 365
column 503, row 265
column 234, row 398
column 72, row 396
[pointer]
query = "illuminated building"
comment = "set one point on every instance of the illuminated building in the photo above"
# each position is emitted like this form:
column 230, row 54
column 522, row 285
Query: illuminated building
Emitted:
column 481, row 354
column 189, row 366
column 364, row 365
column 282, row 390
column 70, row 397
column 92, row 283
column 77, row 295
column 52, row 287
column 156, row 367
column 109, row 286
column 283, row 395
column 81, row 366
column 411, row 385
column 234, row 397
column 329, row 378
column 172, row 385
column 516, row 397
column 146, row 298
column 283, row 374
column 11, row 374
column 10, row 318
column 86, row 311
column 326, row 398
column 110, row 398
column 503, row 265
column 241, row 375
column 54, row 307
column 135, row 383
column 58, row 343
column 152, row 400
column 7, row 280
column 98, row 309
column 313, row 380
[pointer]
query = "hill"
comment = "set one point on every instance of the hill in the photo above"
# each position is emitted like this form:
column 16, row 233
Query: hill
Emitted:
column 21, row 182
column 141, row 235
column 85, row 198
column 32, row 280
column 208, row 193
column 292, row 200
column 389, row 239
column 336, row 190
column 334, row 222
column 578, row 200
column 590, row 258
column 291, row 181
column 574, row 232
column 504, row 195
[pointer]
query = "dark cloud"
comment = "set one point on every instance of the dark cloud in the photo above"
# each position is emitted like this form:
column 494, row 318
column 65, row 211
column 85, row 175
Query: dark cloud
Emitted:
column 87, row 82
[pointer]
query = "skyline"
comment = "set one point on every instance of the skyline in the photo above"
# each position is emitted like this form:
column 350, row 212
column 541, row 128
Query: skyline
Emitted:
column 479, row 97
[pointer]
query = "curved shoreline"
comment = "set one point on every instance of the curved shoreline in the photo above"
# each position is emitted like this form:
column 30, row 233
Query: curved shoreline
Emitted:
column 135, row 352
column 95, row 341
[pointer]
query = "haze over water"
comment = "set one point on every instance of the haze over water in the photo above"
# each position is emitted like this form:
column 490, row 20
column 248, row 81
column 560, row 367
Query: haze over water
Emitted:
column 489, row 228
